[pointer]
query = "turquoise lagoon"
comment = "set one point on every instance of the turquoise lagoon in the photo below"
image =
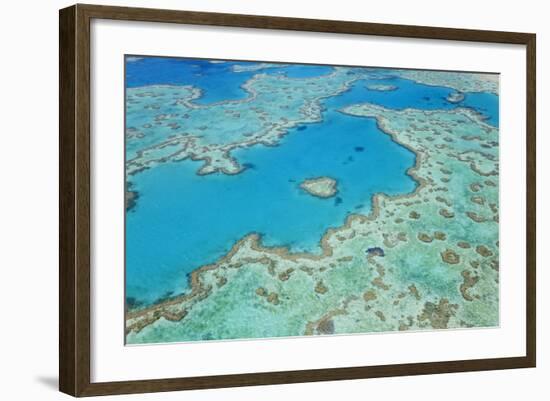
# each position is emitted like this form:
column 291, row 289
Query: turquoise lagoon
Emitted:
column 183, row 220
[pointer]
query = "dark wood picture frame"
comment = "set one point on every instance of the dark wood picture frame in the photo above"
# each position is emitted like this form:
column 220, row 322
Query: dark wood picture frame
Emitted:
column 74, row 199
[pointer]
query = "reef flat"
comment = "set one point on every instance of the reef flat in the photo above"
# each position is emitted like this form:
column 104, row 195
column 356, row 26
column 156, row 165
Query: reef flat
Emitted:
column 455, row 97
column 130, row 199
column 322, row 187
column 462, row 82
column 209, row 133
column 381, row 87
column 255, row 67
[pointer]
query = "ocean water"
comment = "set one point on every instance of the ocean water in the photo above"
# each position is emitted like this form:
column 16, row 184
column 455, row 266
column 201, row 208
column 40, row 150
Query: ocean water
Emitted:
column 183, row 221
column 217, row 80
column 414, row 95
column 484, row 103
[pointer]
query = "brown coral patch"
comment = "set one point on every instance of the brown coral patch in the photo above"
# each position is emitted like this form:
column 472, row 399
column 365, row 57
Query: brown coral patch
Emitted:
column 284, row 276
column 380, row 315
column 369, row 295
column 443, row 200
column 403, row 326
column 320, row 288
column 475, row 187
column 175, row 316
column 480, row 200
column 450, row 256
column 414, row 292
column 130, row 199
column 424, row 237
column 469, row 282
column 326, row 326
column 438, row 314
column 414, row 215
column 475, row 217
column 484, row 251
column 273, row 298
column 379, row 281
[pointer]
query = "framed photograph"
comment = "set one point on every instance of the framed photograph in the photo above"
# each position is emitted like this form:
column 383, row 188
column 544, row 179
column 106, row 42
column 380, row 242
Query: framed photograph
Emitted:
column 250, row 200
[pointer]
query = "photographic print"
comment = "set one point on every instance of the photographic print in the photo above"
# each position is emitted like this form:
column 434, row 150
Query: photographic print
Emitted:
column 271, row 199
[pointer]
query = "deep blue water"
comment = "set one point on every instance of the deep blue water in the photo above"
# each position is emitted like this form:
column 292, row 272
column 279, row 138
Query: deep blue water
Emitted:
column 217, row 80
column 484, row 103
column 412, row 94
column 183, row 220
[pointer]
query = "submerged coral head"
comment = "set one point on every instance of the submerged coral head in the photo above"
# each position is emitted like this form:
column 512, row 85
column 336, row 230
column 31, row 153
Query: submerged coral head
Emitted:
column 375, row 251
